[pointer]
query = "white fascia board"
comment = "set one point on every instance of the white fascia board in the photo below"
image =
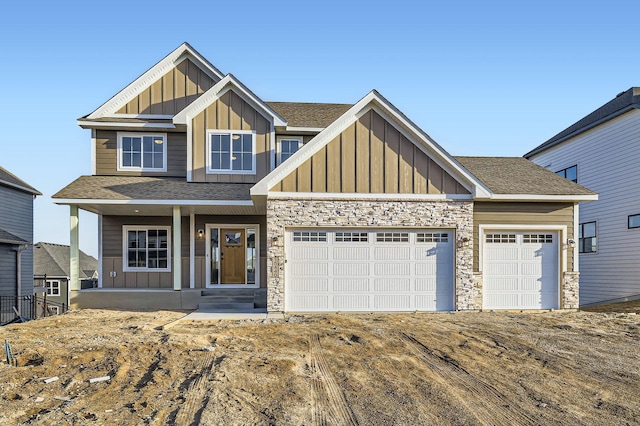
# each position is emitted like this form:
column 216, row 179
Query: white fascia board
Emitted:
column 144, row 116
column 292, row 130
column 219, row 89
column 151, row 75
column 533, row 197
column 361, row 196
column 72, row 201
column 380, row 105
column 97, row 124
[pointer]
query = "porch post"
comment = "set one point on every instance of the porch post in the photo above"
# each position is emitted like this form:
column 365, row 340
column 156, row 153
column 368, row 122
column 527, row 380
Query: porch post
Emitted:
column 192, row 250
column 74, row 254
column 177, row 246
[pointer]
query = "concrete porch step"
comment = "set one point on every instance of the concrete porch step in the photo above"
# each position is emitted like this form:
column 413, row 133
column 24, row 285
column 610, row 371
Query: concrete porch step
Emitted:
column 227, row 299
column 227, row 307
column 248, row 292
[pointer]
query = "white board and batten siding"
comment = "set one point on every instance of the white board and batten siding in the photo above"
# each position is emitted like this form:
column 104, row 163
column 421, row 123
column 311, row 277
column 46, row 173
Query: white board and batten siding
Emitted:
column 521, row 270
column 369, row 270
column 607, row 157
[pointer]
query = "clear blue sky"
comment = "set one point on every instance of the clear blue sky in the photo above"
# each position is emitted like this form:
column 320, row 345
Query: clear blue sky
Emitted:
column 492, row 78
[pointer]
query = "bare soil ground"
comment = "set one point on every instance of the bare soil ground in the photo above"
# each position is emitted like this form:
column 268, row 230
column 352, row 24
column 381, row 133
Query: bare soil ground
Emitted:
column 577, row 368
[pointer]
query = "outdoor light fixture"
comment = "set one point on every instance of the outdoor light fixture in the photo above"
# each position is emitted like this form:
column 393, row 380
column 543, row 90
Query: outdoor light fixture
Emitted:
column 464, row 242
column 200, row 233
column 571, row 242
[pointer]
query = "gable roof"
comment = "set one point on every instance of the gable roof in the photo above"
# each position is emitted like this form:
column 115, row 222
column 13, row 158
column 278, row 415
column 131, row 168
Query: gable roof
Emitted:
column 220, row 88
column 372, row 101
column 54, row 260
column 309, row 115
column 622, row 103
column 12, row 181
column 510, row 176
column 151, row 75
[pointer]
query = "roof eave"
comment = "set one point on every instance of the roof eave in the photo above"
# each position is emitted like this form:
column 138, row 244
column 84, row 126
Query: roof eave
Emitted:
column 544, row 198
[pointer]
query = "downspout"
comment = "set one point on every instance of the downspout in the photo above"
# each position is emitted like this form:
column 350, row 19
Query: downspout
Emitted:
column 19, row 251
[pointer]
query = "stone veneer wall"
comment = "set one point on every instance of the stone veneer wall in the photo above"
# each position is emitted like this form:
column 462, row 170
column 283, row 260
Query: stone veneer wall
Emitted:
column 284, row 213
column 570, row 290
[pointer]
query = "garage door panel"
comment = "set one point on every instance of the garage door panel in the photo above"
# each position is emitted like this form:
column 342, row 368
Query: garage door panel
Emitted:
column 505, row 300
column 530, row 284
column 509, row 252
column 378, row 269
column 351, row 253
column 392, row 253
column 392, row 269
column 350, row 269
column 392, row 285
column 392, row 303
column 504, row 284
column 531, row 253
column 351, row 285
column 310, row 285
column 309, row 253
column 351, row 303
column 309, row 269
column 502, row 269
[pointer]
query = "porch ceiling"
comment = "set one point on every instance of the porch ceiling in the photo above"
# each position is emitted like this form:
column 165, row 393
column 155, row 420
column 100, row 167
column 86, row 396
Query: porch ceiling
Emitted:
column 163, row 209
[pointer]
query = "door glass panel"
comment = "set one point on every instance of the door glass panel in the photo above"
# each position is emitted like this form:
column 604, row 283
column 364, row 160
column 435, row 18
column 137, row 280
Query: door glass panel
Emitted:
column 233, row 238
column 251, row 256
column 215, row 257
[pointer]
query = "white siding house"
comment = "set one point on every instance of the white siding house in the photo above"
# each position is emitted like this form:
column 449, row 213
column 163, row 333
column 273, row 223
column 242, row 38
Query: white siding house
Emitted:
column 605, row 148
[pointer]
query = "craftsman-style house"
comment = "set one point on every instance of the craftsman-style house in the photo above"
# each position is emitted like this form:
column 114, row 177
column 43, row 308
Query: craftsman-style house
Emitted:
column 203, row 188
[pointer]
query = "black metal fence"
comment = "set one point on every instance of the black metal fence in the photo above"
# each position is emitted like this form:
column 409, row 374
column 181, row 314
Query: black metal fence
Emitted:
column 18, row 309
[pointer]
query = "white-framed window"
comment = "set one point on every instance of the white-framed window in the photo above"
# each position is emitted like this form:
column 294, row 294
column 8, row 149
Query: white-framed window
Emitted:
column 231, row 151
column 53, row 287
column 537, row 238
column 146, row 152
column 286, row 147
column 54, row 310
column 432, row 237
column 309, row 236
column 501, row 238
column 352, row 237
column 392, row 237
column 587, row 240
column 146, row 248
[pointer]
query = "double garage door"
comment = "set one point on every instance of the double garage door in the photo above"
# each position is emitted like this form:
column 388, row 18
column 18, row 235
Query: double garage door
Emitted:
column 369, row 270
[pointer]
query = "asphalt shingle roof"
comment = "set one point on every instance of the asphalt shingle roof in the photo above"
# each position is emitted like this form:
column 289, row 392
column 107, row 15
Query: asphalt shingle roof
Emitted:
column 53, row 260
column 151, row 188
column 301, row 114
column 9, row 179
column 620, row 104
column 517, row 175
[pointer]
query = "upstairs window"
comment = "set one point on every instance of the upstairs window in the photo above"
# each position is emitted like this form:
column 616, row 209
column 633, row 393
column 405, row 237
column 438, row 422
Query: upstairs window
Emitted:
column 587, row 237
column 287, row 147
column 570, row 173
column 633, row 221
column 142, row 152
column 231, row 152
column 53, row 287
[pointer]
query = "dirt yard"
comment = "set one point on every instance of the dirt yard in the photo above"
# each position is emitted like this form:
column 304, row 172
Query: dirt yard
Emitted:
column 369, row 369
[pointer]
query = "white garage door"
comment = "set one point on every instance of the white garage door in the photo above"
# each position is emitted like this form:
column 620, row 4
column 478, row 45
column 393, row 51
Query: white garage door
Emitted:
column 521, row 270
column 369, row 270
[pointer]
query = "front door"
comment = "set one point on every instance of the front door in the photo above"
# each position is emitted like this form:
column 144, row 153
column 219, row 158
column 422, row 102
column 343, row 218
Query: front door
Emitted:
column 232, row 256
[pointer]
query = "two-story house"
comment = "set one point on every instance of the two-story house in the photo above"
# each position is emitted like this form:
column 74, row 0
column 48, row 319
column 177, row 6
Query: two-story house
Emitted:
column 16, row 238
column 201, row 187
column 601, row 151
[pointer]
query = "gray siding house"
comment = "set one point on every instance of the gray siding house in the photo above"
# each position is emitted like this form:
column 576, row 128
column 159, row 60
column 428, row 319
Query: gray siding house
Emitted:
column 204, row 190
column 601, row 151
column 16, row 235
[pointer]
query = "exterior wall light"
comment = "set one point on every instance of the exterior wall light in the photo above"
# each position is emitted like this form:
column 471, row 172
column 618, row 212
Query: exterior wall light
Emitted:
column 464, row 242
column 571, row 242
column 200, row 233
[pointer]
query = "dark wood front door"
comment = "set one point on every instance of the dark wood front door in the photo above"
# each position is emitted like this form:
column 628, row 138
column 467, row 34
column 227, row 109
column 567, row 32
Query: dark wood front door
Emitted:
column 233, row 245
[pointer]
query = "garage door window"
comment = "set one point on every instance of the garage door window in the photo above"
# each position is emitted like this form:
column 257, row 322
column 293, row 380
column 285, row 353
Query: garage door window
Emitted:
column 432, row 237
column 501, row 238
column 392, row 237
column 309, row 236
column 352, row 237
column 538, row 238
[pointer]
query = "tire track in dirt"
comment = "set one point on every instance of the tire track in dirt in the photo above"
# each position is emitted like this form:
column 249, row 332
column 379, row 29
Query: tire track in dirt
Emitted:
column 326, row 392
column 196, row 396
column 485, row 403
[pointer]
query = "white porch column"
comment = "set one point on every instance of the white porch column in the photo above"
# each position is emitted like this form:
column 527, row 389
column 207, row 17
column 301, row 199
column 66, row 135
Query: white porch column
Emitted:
column 177, row 246
column 74, row 254
column 192, row 250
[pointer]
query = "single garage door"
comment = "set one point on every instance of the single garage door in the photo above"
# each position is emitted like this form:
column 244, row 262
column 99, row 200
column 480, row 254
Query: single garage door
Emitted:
column 369, row 270
column 521, row 270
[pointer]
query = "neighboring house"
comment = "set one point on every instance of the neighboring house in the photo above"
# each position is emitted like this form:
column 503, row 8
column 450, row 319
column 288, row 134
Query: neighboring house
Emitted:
column 202, row 188
column 16, row 237
column 51, row 270
column 601, row 151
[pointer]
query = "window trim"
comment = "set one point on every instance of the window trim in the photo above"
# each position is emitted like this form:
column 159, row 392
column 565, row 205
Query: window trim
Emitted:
column 50, row 288
column 580, row 239
column 122, row 168
column 210, row 170
column 629, row 221
column 279, row 139
column 125, row 249
column 564, row 171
